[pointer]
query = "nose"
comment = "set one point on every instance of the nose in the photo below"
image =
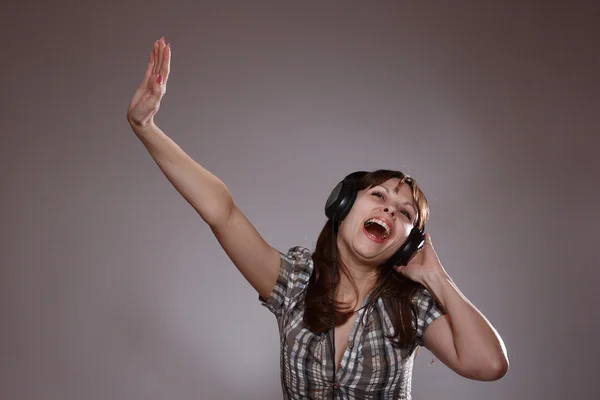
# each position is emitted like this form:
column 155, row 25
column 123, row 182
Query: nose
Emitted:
column 388, row 211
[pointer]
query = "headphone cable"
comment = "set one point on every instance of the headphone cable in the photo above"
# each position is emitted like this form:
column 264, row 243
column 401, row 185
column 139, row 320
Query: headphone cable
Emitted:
column 333, row 254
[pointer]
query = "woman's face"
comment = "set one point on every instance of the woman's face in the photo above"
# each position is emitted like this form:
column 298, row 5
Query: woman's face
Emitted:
column 378, row 223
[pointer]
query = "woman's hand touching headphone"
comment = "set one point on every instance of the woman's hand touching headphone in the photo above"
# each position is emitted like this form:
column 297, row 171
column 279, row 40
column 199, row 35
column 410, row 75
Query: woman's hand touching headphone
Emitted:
column 425, row 263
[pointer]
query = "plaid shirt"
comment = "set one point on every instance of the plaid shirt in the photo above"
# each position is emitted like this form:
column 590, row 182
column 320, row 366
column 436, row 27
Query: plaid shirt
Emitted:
column 371, row 367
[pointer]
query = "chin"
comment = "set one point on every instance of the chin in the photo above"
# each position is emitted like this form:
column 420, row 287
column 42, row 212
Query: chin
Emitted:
column 366, row 250
column 372, row 252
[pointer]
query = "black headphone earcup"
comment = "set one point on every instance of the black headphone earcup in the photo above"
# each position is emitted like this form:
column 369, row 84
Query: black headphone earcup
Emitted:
column 342, row 197
column 340, row 200
column 414, row 241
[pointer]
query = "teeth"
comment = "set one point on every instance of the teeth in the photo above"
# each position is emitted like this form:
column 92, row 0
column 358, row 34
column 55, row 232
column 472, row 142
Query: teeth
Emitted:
column 381, row 223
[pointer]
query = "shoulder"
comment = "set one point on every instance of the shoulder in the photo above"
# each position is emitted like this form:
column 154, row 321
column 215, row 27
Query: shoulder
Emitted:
column 295, row 270
column 423, row 302
column 297, row 266
column 425, row 309
column 298, row 255
column 421, row 296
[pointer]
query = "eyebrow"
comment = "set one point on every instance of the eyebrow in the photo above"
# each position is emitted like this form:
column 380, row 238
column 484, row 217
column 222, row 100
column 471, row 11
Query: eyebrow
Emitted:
column 408, row 203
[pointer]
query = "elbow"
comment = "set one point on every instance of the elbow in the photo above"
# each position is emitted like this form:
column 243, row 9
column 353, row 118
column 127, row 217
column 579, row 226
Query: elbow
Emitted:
column 497, row 370
column 494, row 370
column 219, row 213
column 488, row 371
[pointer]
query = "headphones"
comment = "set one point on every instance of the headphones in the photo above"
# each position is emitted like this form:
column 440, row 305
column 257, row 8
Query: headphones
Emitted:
column 340, row 203
column 337, row 207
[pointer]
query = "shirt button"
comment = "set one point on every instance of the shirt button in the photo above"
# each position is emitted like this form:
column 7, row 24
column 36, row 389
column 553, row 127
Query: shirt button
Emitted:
column 336, row 385
column 350, row 344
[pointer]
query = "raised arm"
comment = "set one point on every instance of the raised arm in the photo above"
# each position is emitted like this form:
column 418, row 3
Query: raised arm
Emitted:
column 256, row 259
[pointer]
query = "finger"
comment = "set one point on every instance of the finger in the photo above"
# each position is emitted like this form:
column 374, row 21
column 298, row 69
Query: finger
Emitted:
column 161, row 51
column 429, row 243
column 166, row 63
column 429, row 253
column 426, row 245
column 149, row 69
column 416, row 258
column 156, row 59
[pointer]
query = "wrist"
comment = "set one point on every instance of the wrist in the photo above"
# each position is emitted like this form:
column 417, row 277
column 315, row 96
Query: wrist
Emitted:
column 434, row 279
column 142, row 127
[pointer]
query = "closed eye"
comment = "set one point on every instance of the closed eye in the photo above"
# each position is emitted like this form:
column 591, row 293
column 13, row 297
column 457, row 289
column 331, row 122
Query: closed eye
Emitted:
column 378, row 194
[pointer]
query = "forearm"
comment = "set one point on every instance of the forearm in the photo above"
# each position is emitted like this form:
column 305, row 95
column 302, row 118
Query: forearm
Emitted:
column 476, row 342
column 206, row 193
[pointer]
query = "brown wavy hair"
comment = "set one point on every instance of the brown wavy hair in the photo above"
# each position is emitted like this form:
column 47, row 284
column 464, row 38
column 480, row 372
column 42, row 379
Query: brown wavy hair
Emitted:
column 393, row 288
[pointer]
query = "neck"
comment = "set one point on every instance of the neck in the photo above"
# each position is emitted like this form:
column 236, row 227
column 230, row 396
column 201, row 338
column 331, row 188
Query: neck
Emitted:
column 364, row 277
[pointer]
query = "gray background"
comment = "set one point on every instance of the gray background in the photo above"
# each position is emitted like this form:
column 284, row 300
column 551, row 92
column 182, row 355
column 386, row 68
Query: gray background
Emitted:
column 113, row 288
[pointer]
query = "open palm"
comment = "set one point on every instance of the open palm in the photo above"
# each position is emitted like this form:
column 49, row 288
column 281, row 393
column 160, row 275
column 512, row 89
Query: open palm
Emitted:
column 146, row 99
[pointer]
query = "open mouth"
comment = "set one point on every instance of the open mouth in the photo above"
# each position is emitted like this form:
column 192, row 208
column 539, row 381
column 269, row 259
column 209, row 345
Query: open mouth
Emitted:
column 377, row 229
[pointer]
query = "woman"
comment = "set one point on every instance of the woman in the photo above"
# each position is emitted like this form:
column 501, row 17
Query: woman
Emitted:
column 385, row 307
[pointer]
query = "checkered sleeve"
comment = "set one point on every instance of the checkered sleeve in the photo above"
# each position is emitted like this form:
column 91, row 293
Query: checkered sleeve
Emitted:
column 425, row 311
column 295, row 269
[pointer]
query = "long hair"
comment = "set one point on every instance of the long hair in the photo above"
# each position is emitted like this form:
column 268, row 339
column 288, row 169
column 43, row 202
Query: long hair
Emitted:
column 393, row 288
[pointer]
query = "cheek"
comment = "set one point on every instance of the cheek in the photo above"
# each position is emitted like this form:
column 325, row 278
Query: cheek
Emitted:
column 404, row 230
column 348, row 226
